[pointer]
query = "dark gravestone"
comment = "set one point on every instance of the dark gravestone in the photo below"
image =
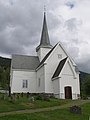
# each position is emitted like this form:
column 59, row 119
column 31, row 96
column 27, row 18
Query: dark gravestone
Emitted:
column 46, row 98
column 75, row 109
column 28, row 94
column 22, row 94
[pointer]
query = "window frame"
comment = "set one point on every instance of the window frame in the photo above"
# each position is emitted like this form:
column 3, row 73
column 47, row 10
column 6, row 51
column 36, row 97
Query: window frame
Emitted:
column 25, row 84
column 39, row 82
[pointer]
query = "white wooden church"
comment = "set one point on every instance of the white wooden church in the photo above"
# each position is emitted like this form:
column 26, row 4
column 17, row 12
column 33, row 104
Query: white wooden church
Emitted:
column 52, row 71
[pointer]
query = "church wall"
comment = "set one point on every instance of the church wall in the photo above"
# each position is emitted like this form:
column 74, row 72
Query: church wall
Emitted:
column 65, row 80
column 42, row 53
column 40, row 80
column 56, row 87
column 39, row 54
column 78, row 84
column 67, row 69
column 68, row 79
column 17, row 81
column 11, row 75
column 51, row 65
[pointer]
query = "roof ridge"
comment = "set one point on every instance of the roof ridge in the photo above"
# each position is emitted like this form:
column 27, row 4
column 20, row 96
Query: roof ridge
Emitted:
column 47, row 55
column 24, row 55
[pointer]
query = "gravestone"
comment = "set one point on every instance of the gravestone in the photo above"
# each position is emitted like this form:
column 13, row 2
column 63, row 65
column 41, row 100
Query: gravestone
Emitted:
column 75, row 109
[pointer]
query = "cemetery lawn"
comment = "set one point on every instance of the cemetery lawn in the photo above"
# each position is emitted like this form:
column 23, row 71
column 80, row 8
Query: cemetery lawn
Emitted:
column 24, row 103
column 59, row 114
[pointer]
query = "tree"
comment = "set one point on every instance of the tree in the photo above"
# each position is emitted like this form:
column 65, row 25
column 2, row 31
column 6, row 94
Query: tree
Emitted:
column 4, row 77
column 87, row 86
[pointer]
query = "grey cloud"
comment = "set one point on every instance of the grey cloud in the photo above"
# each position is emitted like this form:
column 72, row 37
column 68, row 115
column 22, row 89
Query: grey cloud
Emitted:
column 85, row 66
column 24, row 22
column 21, row 25
column 70, row 4
column 54, row 22
column 74, row 51
column 72, row 24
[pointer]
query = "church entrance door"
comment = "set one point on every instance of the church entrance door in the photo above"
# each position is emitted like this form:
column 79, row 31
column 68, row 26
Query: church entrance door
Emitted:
column 68, row 92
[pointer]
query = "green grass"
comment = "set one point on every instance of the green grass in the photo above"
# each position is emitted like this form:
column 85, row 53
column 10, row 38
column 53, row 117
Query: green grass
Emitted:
column 62, row 114
column 24, row 103
column 51, row 103
column 86, row 108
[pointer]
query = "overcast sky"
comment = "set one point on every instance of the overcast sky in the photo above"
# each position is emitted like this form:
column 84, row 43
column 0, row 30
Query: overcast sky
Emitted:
column 68, row 21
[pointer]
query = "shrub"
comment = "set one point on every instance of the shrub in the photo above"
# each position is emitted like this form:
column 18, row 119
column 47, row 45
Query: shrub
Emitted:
column 84, row 96
column 39, row 97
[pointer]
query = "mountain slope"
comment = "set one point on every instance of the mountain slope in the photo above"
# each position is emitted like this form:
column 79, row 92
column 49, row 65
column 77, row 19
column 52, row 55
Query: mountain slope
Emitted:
column 4, row 72
column 5, row 62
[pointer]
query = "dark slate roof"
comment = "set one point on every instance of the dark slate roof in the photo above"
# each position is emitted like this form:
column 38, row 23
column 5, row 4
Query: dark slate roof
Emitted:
column 45, row 42
column 25, row 62
column 43, row 60
column 59, row 68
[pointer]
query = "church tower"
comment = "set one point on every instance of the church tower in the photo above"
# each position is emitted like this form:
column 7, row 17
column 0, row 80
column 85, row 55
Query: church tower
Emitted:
column 44, row 46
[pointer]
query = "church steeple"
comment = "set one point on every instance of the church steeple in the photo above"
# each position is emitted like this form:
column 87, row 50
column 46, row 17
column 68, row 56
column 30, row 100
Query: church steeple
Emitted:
column 44, row 42
column 44, row 37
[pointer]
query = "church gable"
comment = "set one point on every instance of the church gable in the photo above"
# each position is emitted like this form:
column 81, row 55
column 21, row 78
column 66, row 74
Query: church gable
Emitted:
column 46, row 57
column 56, row 53
column 69, row 69
column 64, row 68
column 59, row 68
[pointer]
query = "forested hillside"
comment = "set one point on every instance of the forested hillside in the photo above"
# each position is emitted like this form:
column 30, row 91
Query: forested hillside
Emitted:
column 85, row 84
column 5, row 62
column 4, row 72
column 5, row 77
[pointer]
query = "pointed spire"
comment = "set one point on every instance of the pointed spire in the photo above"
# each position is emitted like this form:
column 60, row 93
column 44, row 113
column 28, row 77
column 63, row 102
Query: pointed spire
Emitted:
column 45, row 42
column 45, row 36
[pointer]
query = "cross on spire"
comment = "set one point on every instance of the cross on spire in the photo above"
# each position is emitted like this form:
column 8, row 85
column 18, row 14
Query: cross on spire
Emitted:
column 44, row 9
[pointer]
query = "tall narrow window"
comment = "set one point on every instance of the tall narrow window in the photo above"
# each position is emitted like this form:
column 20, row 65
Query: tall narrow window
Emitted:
column 39, row 82
column 25, row 84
